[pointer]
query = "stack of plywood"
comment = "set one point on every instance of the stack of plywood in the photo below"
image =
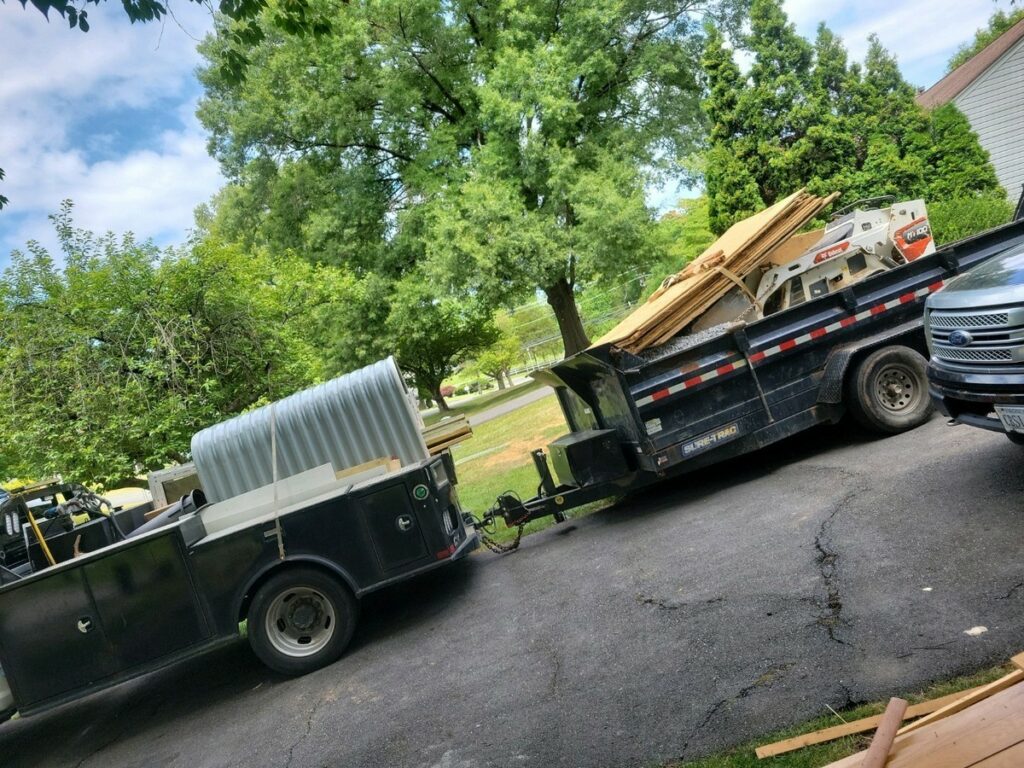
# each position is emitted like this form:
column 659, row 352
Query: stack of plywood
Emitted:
column 745, row 247
column 981, row 727
column 447, row 433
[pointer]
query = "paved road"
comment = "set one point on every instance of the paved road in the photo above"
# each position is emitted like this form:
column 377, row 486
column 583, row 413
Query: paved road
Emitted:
column 510, row 405
column 831, row 570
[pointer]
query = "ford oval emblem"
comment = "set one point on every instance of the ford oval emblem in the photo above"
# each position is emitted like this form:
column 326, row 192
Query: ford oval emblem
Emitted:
column 960, row 338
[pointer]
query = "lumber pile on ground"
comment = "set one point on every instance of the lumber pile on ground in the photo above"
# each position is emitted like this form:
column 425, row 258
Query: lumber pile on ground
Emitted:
column 682, row 298
column 447, row 433
column 981, row 727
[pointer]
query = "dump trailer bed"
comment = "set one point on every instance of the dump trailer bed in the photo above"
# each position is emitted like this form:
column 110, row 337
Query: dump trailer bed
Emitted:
column 733, row 389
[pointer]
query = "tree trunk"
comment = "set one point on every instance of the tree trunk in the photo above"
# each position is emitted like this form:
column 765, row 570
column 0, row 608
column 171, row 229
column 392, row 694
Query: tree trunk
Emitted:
column 500, row 380
column 508, row 378
column 561, row 300
column 439, row 399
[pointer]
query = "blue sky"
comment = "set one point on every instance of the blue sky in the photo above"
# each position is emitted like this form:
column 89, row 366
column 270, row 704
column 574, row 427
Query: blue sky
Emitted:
column 107, row 119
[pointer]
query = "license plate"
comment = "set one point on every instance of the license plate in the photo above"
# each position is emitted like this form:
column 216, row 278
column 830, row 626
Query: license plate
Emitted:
column 1012, row 417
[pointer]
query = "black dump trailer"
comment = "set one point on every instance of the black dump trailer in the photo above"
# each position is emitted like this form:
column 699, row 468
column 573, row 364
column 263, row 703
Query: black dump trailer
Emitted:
column 699, row 399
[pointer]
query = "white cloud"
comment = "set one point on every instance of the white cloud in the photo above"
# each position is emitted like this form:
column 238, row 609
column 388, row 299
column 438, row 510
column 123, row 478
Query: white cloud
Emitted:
column 922, row 33
column 56, row 79
column 60, row 91
column 114, row 63
column 151, row 192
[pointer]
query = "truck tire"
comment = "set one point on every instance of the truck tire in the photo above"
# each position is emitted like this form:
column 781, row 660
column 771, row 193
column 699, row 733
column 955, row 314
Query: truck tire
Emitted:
column 888, row 391
column 300, row 620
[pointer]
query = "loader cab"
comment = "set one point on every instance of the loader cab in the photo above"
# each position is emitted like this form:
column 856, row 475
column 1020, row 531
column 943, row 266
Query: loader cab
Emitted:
column 861, row 241
column 826, row 278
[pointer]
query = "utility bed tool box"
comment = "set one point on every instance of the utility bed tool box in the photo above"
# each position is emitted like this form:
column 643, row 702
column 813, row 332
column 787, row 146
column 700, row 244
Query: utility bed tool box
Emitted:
column 101, row 616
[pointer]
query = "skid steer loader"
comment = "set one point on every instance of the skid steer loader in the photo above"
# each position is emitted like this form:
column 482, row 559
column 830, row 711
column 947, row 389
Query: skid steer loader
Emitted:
column 861, row 240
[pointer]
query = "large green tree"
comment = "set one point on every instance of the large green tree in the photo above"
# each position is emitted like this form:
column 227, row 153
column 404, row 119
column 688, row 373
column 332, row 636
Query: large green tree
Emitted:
column 682, row 234
column 805, row 116
column 113, row 354
column 429, row 333
column 498, row 359
column 508, row 144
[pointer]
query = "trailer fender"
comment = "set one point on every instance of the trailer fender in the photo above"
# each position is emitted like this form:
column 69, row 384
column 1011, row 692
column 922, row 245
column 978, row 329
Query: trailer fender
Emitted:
column 272, row 569
column 830, row 390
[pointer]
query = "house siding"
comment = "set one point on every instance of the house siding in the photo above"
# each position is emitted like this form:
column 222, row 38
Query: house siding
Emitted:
column 994, row 105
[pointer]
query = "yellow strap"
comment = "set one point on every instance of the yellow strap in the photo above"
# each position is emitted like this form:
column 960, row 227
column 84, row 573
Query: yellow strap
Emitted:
column 39, row 537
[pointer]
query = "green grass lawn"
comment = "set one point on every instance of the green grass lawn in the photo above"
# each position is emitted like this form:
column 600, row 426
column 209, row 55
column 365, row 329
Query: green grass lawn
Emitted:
column 474, row 404
column 822, row 754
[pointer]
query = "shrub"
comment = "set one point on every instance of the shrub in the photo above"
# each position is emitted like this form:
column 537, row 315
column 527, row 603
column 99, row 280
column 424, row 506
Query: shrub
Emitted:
column 960, row 217
column 447, row 390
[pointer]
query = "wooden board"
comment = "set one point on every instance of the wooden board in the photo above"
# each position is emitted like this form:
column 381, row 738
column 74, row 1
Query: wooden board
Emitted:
column 1011, row 757
column 968, row 700
column 743, row 249
column 440, row 437
column 458, row 421
column 877, row 755
column 854, row 726
column 439, row 447
column 795, row 246
column 443, row 435
column 386, row 464
column 967, row 738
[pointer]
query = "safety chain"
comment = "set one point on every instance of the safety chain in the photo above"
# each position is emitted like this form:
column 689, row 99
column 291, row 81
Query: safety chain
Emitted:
column 492, row 544
column 497, row 546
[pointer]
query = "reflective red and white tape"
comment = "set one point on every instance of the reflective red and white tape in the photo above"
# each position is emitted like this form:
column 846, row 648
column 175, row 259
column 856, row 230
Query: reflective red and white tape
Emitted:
column 788, row 344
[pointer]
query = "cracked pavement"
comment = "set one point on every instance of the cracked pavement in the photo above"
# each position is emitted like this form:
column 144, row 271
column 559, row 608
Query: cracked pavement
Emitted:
column 829, row 570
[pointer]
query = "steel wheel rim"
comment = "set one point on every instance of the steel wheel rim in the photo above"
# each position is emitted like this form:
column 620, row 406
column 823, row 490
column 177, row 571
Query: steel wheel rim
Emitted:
column 300, row 622
column 897, row 389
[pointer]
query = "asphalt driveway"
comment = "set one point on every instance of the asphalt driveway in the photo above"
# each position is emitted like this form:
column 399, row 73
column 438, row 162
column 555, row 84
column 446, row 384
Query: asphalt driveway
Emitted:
column 830, row 570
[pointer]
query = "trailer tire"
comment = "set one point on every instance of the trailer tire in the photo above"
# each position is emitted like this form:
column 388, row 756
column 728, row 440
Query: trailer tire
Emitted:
column 301, row 620
column 888, row 391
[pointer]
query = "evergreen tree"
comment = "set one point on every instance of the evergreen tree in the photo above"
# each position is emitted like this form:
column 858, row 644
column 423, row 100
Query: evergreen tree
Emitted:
column 773, row 108
column 731, row 188
column 724, row 83
column 959, row 165
column 806, row 117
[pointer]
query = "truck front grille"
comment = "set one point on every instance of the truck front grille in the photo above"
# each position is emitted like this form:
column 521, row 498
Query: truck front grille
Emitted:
column 976, row 355
column 955, row 320
column 986, row 338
